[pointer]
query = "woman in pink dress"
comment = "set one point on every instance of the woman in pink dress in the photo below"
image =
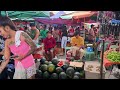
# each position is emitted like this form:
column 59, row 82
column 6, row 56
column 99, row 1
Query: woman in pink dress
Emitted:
column 20, row 44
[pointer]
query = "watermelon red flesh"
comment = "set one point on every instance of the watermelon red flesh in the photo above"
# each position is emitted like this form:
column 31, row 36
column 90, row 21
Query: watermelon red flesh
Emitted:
column 60, row 64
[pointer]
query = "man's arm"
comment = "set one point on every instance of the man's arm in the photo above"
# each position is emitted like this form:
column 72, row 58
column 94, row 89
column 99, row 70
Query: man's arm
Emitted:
column 72, row 42
column 7, row 57
column 29, row 41
column 37, row 34
column 54, row 42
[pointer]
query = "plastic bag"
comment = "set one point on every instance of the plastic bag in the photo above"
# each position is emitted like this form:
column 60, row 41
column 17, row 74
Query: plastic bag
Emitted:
column 116, row 72
column 20, row 72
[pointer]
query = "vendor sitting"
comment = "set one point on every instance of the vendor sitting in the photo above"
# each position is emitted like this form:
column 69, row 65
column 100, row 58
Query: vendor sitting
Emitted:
column 49, row 45
column 77, row 43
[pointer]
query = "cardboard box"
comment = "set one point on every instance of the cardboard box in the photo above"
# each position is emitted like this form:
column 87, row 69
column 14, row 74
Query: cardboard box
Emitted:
column 76, row 64
column 93, row 74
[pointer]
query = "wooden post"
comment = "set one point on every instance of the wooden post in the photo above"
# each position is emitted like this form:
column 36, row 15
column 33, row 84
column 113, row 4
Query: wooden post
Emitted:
column 101, row 68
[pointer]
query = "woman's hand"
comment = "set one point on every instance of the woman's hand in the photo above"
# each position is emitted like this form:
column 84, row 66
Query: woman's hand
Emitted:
column 20, row 57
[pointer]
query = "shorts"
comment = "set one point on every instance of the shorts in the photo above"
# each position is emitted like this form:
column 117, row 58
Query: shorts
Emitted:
column 31, row 71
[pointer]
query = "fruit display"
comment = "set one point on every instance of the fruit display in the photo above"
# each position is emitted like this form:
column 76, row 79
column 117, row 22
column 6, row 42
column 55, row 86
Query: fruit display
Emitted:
column 113, row 56
column 56, row 69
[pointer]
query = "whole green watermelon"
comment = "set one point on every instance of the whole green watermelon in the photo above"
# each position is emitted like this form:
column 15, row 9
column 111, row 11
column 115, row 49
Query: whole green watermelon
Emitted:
column 59, row 70
column 64, row 67
column 46, row 75
column 49, row 62
column 76, row 77
column 54, row 61
column 77, row 74
column 54, row 76
column 51, row 68
column 46, row 62
column 38, row 74
column 43, row 67
column 62, row 75
column 42, row 61
column 70, row 72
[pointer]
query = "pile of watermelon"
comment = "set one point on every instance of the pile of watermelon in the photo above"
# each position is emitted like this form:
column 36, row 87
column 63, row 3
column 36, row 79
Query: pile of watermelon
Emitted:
column 56, row 69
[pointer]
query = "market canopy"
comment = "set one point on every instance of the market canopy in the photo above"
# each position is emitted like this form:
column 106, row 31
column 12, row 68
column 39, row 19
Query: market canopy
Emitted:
column 57, row 15
column 53, row 21
column 78, row 14
column 27, row 14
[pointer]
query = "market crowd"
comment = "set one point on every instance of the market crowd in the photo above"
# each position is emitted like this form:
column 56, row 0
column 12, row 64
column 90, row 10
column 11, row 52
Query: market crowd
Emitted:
column 18, row 45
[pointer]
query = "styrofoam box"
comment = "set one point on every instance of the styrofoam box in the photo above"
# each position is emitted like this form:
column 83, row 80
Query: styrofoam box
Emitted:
column 93, row 74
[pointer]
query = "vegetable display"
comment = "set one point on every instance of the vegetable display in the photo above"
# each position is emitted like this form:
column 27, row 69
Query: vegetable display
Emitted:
column 113, row 56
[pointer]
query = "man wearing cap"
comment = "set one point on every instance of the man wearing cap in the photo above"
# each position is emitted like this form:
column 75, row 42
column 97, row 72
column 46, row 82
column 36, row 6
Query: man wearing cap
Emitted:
column 34, row 33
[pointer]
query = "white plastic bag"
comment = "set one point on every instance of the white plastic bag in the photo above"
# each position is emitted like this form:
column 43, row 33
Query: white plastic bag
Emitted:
column 20, row 72
column 116, row 71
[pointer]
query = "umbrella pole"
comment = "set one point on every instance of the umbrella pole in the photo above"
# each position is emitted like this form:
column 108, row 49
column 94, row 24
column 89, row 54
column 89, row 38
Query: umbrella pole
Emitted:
column 101, row 68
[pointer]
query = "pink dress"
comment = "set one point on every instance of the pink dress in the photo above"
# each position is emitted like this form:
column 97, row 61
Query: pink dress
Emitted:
column 28, row 62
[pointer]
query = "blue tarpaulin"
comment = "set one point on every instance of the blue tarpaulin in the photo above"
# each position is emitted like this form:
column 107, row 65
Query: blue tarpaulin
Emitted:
column 114, row 21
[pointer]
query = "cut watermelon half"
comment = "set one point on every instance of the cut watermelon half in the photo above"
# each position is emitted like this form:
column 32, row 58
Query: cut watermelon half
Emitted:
column 60, row 64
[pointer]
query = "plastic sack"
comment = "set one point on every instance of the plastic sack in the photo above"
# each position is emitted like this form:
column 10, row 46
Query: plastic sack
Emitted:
column 116, row 72
column 20, row 72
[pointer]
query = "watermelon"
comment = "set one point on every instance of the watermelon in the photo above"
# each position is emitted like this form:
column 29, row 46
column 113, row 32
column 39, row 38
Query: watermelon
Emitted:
column 38, row 74
column 65, row 66
column 49, row 62
column 54, row 61
column 46, row 75
column 46, row 62
column 82, row 74
column 54, row 76
column 76, row 77
column 79, row 69
column 70, row 72
column 77, row 74
column 42, row 61
column 62, row 75
column 43, row 67
column 51, row 68
column 59, row 70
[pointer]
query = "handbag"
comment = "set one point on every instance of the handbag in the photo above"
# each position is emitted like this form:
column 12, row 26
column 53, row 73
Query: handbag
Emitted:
column 20, row 72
